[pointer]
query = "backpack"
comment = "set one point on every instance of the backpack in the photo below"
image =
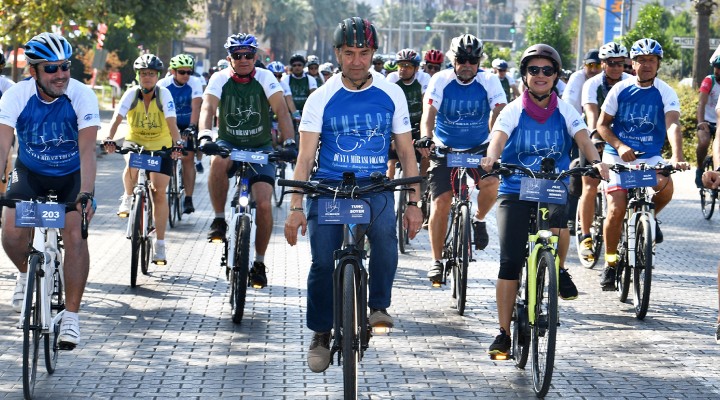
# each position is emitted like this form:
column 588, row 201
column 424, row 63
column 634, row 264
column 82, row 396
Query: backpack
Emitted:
column 138, row 94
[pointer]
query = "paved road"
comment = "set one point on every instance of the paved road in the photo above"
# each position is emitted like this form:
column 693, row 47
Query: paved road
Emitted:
column 172, row 337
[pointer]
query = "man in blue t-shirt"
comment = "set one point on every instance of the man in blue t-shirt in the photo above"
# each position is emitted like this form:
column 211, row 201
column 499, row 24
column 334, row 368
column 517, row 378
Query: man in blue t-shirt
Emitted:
column 347, row 125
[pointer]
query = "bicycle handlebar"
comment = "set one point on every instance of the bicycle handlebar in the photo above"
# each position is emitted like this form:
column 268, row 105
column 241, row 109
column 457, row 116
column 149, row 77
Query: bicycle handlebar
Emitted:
column 211, row 148
column 164, row 152
column 350, row 191
column 665, row 169
column 69, row 206
column 506, row 169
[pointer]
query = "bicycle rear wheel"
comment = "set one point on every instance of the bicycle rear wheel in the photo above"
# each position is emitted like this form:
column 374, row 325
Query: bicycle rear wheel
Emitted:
column 520, row 324
column 402, row 234
column 596, row 227
column 239, row 273
column 31, row 326
column 544, row 330
column 135, row 238
column 350, row 343
column 57, row 304
column 642, row 271
column 279, row 192
column 172, row 195
column 708, row 196
column 464, row 251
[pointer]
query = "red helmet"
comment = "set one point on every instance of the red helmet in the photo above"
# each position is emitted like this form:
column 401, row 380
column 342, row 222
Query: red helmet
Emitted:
column 434, row 56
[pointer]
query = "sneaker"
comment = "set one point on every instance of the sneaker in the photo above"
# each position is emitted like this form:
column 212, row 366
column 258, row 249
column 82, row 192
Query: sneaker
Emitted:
column 258, row 279
column 698, row 178
column 188, row 207
column 717, row 334
column 586, row 248
column 218, row 228
column 501, row 345
column 69, row 334
column 380, row 317
column 608, row 278
column 318, row 356
column 125, row 204
column 435, row 274
column 658, row 233
column 19, row 294
column 567, row 288
column 159, row 254
column 481, row 235
column 199, row 167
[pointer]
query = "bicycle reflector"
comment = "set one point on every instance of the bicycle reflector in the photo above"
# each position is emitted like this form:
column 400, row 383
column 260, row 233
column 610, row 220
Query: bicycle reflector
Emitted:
column 436, row 284
column 499, row 357
column 381, row 329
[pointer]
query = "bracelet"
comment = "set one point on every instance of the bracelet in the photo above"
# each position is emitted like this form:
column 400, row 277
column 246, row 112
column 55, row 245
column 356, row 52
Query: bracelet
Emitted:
column 297, row 209
column 703, row 122
column 594, row 162
column 411, row 203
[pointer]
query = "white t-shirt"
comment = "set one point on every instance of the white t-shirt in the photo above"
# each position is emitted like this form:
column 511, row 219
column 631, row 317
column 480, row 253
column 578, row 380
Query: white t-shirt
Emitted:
column 423, row 78
column 590, row 88
column 5, row 84
column 573, row 90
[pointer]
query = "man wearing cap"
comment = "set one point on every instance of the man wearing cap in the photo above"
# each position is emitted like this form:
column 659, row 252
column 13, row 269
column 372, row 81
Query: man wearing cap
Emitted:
column 573, row 89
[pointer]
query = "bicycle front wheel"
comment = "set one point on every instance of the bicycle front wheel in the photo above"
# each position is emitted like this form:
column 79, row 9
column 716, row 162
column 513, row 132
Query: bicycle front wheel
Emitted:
column 642, row 272
column 402, row 234
column 544, row 330
column 279, row 192
column 239, row 274
column 31, row 326
column 57, row 304
column 350, row 342
column 173, row 195
column 520, row 324
column 464, row 251
column 708, row 196
column 135, row 239
column 145, row 239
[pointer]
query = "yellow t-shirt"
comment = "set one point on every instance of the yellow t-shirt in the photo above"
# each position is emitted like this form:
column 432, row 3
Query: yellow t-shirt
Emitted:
column 148, row 129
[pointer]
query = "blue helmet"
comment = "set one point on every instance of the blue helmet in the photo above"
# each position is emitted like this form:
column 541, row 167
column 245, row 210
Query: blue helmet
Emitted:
column 239, row 41
column 276, row 67
column 47, row 47
column 644, row 47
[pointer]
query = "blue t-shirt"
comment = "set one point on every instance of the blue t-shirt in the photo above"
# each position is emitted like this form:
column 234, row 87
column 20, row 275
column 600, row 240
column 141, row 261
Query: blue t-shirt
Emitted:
column 183, row 97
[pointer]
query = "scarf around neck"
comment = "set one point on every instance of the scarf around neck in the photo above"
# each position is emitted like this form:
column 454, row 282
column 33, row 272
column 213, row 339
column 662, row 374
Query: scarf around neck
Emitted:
column 536, row 112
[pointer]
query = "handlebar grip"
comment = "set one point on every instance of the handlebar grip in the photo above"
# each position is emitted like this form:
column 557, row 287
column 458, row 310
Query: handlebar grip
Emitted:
column 293, row 183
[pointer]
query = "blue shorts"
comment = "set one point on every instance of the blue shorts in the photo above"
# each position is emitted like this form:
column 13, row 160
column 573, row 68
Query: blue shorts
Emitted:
column 258, row 172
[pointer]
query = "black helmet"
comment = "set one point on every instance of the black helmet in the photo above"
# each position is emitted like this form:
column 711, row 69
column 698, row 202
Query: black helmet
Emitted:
column 378, row 59
column 542, row 51
column 297, row 58
column 148, row 61
column 355, row 32
column 467, row 45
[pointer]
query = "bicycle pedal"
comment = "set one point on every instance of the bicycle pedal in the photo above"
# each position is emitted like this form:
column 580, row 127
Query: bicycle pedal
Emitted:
column 381, row 329
column 436, row 284
column 256, row 286
column 123, row 215
column 66, row 346
column 500, row 357
column 160, row 262
column 216, row 240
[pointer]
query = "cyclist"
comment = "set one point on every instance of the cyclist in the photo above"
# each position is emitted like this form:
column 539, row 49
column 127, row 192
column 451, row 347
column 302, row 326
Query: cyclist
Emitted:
column 150, row 111
column 532, row 127
column 250, row 92
column 370, row 105
column 389, row 67
column 327, row 70
column 277, row 68
column 313, row 69
column 187, row 94
column 612, row 58
column 573, row 90
column 706, row 115
column 626, row 131
column 301, row 84
column 500, row 68
column 450, row 120
column 56, row 119
column 378, row 64
column 5, row 84
column 433, row 61
column 413, row 82
column 711, row 179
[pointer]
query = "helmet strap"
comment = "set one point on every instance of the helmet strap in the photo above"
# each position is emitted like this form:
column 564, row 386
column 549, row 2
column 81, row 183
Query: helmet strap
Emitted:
column 463, row 80
column 243, row 78
column 539, row 98
column 146, row 91
column 647, row 80
column 355, row 83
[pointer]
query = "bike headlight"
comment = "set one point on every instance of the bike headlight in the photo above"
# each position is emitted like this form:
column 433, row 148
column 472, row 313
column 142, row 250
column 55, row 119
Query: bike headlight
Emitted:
column 244, row 201
column 543, row 234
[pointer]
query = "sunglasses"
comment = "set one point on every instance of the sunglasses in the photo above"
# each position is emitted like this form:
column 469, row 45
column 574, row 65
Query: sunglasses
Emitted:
column 547, row 70
column 240, row 56
column 592, row 65
column 278, row 75
column 432, row 67
column 615, row 63
column 471, row 60
column 298, row 65
column 183, row 72
column 53, row 68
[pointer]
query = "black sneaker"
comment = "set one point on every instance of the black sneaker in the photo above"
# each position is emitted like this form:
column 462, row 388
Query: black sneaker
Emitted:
column 319, row 355
column 501, row 345
column 658, row 233
column 698, row 178
column 435, row 274
column 568, row 291
column 199, row 167
column 258, row 279
column 188, row 207
column 608, row 279
column 218, row 229
column 481, row 235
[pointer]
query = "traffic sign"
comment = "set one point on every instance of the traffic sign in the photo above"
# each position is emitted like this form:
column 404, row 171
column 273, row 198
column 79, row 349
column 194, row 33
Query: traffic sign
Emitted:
column 689, row 42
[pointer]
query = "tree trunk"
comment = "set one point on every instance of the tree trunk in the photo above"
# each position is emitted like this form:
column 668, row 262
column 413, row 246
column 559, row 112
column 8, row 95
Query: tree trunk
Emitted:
column 218, row 14
column 704, row 9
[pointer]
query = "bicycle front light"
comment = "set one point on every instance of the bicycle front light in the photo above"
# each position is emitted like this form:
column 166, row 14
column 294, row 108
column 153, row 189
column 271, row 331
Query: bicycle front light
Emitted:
column 544, row 234
column 244, row 201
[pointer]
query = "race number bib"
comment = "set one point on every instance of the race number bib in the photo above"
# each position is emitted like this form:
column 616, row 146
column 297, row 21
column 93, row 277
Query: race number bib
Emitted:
column 543, row 190
column 634, row 179
column 29, row 214
column 145, row 161
column 249, row 156
column 343, row 211
column 461, row 160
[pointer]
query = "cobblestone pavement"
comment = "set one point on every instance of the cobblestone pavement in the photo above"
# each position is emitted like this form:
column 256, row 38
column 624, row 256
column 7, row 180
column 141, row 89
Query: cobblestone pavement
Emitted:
column 172, row 337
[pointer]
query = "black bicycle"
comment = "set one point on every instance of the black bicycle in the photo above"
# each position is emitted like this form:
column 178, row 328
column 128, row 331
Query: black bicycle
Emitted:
column 175, row 194
column 596, row 230
column 351, row 330
column 708, row 197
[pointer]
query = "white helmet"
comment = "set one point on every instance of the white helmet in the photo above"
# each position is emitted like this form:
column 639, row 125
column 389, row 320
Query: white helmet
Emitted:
column 612, row 49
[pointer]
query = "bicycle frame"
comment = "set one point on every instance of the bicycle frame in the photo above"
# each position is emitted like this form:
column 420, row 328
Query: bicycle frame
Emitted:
column 141, row 189
column 241, row 204
column 541, row 239
column 639, row 204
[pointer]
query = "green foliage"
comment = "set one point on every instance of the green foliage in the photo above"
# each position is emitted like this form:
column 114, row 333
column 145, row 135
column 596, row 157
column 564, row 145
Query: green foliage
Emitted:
column 688, row 120
column 492, row 51
column 653, row 22
column 550, row 27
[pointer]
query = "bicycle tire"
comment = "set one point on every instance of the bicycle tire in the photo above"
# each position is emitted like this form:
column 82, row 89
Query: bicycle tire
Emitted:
column 350, row 341
column 31, row 326
column 135, row 239
column 279, row 191
column 402, row 234
column 544, row 330
column 181, row 192
column 642, row 271
column 57, row 304
column 520, row 324
column 460, row 267
column 623, row 273
column 172, row 195
column 145, row 239
column 239, row 272
column 708, row 196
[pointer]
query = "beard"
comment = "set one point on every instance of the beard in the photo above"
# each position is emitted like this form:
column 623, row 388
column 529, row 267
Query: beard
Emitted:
column 52, row 91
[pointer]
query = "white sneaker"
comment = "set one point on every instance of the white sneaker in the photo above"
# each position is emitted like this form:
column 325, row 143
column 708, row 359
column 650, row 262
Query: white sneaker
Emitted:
column 159, row 253
column 69, row 334
column 19, row 294
column 125, row 204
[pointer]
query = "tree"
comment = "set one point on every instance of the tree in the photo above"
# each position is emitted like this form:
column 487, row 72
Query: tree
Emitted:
column 652, row 22
column 550, row 27
column 704, row 9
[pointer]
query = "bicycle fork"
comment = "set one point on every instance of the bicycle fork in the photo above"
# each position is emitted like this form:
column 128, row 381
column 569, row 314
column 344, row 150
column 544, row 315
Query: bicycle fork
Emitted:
column 633, row 218
column 536, row 242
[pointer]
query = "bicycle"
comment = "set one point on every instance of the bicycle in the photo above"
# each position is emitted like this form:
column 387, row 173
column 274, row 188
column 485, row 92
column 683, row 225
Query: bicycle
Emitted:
column 44, row 304
column 423, row 204
column 236, row 250
column 351, row 330
column 596, row 230
column 708, row 197
column 279, row 191
column 535, row 315
column 636, row 247
column 175, row 194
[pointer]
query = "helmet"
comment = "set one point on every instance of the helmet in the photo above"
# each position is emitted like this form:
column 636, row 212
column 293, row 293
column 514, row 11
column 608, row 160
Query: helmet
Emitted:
column 222, row 64
column 355, row 32
column 47, row 47
column 378, row 59
column 297, row 58
column 182, row 61
column 327, row 67
column 276, row 67
column 646, row 46
column 466, row 45
column 148, row 61
column 540, row 50
column 313, row 60
column 612, row 49
column 715, row 62
column 408, row 55
column 390, row 66
column 499, row 64
column 434, row 56
column 240, row 41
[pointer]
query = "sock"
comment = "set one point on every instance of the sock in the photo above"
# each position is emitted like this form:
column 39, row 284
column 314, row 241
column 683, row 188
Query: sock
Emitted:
column 160, row 242
column 220, row 215
column 259, row 258
column 438, row 261
column 71, row 315
column 476, row 219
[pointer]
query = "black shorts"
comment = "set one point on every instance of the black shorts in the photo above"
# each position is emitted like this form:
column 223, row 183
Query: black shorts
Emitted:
column 440, row 176
column 166, row 165
column 392, row 155
column 27, row 185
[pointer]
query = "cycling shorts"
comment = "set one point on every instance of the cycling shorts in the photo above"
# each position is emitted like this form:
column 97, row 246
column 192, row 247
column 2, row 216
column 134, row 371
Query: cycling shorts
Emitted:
column 258, row 172
column 614, row 183
column 27, row 185
column 440, row 176
column 166, row 165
